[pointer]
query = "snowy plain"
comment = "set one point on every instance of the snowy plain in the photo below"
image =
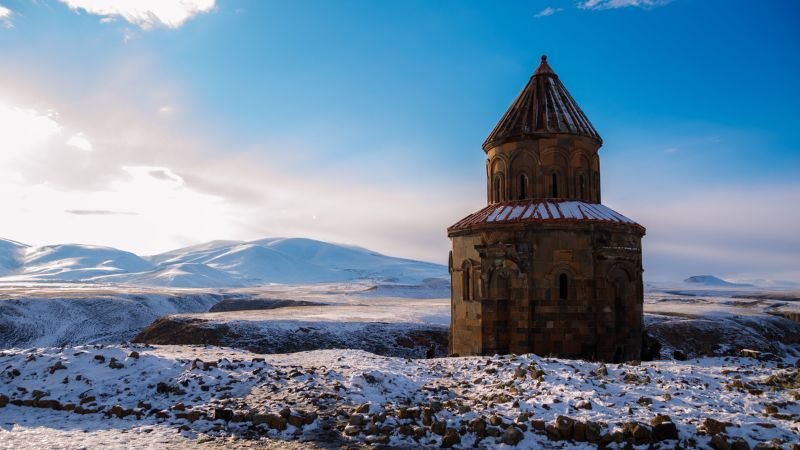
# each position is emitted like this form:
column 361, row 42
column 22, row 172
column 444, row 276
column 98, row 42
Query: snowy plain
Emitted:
column 60, row 387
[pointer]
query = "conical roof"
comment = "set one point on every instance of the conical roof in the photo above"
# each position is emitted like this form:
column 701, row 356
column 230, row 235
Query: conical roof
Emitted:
column 543, row 107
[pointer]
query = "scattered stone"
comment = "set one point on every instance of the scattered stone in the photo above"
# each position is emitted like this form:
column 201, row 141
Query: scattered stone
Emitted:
column 496, row 420
column 478, row 426
column 720, row 442
column 713, row 426
column 593, row 432
column 739, row 444
column 747, row 353
column 357, row 419
column 223, row 414
column 663, row 428
column 57, row 366
column 579, row 431
column 49, row 404
column 114, row 364
column 678, row 355
column 134, row 355
column 352, row 430
column 439, row 427
column 363, row 409
column 100, row 358
column 645, row 401
column 276, row 422
column 512, row 436
column 451, row 438
column 584, row 404
column 565, row 426
column 640, row 433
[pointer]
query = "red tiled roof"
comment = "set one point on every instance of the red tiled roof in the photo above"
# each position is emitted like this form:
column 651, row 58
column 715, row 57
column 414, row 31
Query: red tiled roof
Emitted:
column 541, row 211
column 543, row 107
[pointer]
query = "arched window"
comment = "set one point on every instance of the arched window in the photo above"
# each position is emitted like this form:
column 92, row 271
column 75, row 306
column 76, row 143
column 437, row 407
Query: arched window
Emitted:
column 554, row 185
column 496, row 190
column 523, row 186
column 562, row 286
column 466, row 277
column 619, row 303
column 581, row 187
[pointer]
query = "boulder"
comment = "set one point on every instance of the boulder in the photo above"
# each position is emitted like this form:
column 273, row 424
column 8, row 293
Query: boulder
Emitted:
column 357, row 419
column 565, row 426
column 512, row 436
column 450, row 438
column 663, row 428
column 713, row 426
column 579, row 431
column 583, row 404
column 640, row 433
column 439, row 427
column 593, row 432
column 720, row 442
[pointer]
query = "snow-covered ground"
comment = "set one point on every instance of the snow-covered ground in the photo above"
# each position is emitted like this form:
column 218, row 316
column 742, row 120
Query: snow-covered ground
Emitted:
column 176, row 395
column 51, row 315
column 239, row 398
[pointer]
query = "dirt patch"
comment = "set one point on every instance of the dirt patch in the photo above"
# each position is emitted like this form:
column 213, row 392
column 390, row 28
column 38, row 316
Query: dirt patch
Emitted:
column 238, row 304
column 386, row 339
column 171, row 330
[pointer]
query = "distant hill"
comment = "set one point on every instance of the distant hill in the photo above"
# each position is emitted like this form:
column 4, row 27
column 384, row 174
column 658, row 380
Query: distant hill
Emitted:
column 213, row 264
column 711, row 280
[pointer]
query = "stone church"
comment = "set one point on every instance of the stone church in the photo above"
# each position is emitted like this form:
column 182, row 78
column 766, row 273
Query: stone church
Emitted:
column 545, row 267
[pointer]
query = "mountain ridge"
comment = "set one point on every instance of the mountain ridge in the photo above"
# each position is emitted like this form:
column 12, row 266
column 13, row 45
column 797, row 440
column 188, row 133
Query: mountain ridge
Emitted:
column 219, row 263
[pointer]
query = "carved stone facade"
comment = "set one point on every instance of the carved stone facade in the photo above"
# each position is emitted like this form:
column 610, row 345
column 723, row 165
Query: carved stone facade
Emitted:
column 546, row 268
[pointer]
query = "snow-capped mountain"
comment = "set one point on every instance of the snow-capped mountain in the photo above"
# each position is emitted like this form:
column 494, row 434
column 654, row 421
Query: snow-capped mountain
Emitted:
column 213, row 264
column 711, row 280
column 10, row 256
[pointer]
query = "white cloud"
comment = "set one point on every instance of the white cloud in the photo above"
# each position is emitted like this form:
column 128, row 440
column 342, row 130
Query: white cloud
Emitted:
column 5, row 17
column 79, row 141
column 549, row 11
column 145, row 14
column 747, row 232
column 614, row 4
column 151, row 185
column 24, row 129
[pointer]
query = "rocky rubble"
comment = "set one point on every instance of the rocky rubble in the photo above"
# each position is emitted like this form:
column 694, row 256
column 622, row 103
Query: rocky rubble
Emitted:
column 350, row 397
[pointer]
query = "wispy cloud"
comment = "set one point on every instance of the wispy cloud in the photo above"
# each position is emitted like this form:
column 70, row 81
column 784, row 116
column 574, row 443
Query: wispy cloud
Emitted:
column 5, row 17
column 549, row 11
column 145, row 14
column 99, row 212
column 721, row 230
column 181, row 185
column 614, row 4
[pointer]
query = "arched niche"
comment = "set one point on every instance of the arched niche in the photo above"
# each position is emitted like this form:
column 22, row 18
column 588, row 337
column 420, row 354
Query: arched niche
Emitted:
column 523, row 171
column 580, row 178
column 497, row 182
column 562, row 278
column 554, row 169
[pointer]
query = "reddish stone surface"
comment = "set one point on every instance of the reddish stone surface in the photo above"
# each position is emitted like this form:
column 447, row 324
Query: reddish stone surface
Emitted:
column 556, row 283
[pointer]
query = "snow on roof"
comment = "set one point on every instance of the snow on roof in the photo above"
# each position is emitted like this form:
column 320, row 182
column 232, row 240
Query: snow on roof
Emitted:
column 533, row 211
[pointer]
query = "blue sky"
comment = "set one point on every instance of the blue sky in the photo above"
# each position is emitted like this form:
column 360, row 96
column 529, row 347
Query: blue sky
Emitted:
column 362, row 121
